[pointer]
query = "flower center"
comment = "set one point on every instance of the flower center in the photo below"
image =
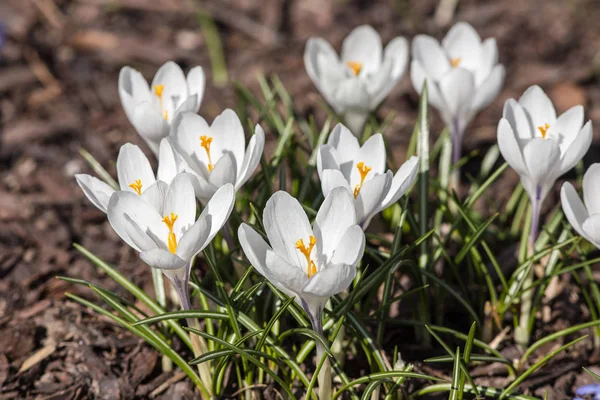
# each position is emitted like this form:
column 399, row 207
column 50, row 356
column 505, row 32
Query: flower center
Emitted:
column 137, row 186
column 205, row 142
column 363, row 170
column 158, row 91
column 169, row 220
column 455, row 62
column 355, row 66
column 311, row 268
column 544, row 130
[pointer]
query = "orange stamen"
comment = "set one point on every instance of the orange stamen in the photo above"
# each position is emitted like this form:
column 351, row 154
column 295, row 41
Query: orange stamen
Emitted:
column 455, row 62
column 355, row 66
column 363, row 170
column 136, row 186
column 544, row 130
column 311, row 268
column 169, row 220
column 205, row 142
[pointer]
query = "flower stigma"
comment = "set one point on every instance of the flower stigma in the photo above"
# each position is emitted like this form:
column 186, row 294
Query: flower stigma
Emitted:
column 311, row 268
column 363, row 170
column 169, row 220
column 158, row 91
column 136, row 186
column 544, row 130
column 455, row 62
column 205, row 142
column 355, row 66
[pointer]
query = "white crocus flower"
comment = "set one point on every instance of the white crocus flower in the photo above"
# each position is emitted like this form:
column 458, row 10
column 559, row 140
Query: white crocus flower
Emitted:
column 362, row 171
column 540, row 146
column 169, row 238
column 135, row 175
column 151, row 109
column 216, row 154
column 311, row 264
column 356, row 82
column 584, row 216
column 463, row 76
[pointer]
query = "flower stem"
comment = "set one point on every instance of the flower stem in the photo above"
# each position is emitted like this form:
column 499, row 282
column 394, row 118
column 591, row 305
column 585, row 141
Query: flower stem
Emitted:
column 522, row 332
column 198, row 343
column 159, row 291
column 456, row 136
column 324, row 377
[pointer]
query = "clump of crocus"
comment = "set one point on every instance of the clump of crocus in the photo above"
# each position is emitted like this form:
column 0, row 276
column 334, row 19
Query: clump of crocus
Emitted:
column 584, row 216
column 361, row 77
column 463, row 76
column 342, row 162
column 151, row 109
column 216, row 154
column 310, row 264
column 541, row 148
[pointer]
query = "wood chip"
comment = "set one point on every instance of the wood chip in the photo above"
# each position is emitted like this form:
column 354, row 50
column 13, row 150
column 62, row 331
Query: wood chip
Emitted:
column 36, row 357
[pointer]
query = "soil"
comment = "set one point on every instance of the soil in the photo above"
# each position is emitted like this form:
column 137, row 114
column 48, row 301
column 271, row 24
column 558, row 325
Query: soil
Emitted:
column 58, row 93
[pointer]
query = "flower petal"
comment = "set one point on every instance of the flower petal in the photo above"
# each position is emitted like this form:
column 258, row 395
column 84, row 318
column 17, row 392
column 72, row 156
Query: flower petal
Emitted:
column 539, row 107
column 155, row 195
column 371, row 195
column 254, row 152
column 418, row 76
column 185, row 138
column 95, row 190
column 175, row 89
column 326, row 159
column 566, row 127
column 219, row 209
column 395, row 60
column 168, row 162
column 573, row 207
column 133, row 90
column 363, row 45
column 195, row 239
column 132, row 165
column 334, row 217
column 282, row 273
column 255, row 248
column 318, row 48
column 509, row 147
column 591, row 228
column 517, row 117
column 489, row 59
column 351, row 95
column 402, row 181
column 430, row 56
column 150, row 124
column 541, row 157
column 162, row 259
column 577, row 149
column 347, row 147
column 457, row 88
column 489, row 89
column 196, row 82
column 285, row 223
column 228, row 136
column 331, row 179
column 463, row 42
column 330, row 281
column 591, row 189
column 372, row 153
column 350, row 248
column 181, row 200
column 224, row 170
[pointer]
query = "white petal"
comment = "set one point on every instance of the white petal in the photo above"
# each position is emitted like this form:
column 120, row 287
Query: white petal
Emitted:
column 228, row 136
column 218, row 209
column 573, row 207
column 132, row 164
column 347, row 147
column 149, row 123
column 326, row 159
column 334, row 217
column 189, row 105
column 591, row 228
column 162, row 259
column 489, row 58
column 318, row 48
column 142, row 240
column 168, row 162
column 566, row 127
column 255, row 248
column 331, row 73
column 331, row 179
column 185, row 138
column 285, row 223
column 330, row 281
column 426, row 51
column 181, row 200
column 371, row 195
column 363, row 45
column 577, row 149
column 403, row 180
column 395, row 60
column 355, row 119
column 372, row 153
column 95, row 190
column 509, row 147
column 224, row 171
column 133, row 90
column 538, row 105
column 143, row 213
column 351, row 94
column 517, row 117
column 254, row 152
column 457, row 88
column 155, row 195
column 196, row 82
column 489, row 89
column 463, row 42
column 541, row 157
column 591, row 188
column 418, row 76
column 350, row 248
column 281, row 272
column 175, row 90
column 195, row 239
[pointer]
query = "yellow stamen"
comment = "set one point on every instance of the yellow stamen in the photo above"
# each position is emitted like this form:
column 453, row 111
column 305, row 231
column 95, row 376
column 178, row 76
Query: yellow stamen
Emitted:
column 455, row 62
column 205, row 142
column 311, row 268
column 544, row 130
column 136, row 186
column 355, row 66
column 169, row 220
column 165, row 115
column 158, row 90
column 363, row 170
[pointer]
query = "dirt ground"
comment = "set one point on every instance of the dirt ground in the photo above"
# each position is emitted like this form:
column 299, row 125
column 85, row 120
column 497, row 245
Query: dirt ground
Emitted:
column 58, row 93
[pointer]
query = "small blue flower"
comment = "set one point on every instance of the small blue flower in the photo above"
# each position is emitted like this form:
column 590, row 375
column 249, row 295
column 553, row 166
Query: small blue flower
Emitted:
column 587, row 390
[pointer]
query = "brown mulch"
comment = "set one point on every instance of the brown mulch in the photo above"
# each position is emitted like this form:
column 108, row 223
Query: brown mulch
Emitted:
column 58, row 79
